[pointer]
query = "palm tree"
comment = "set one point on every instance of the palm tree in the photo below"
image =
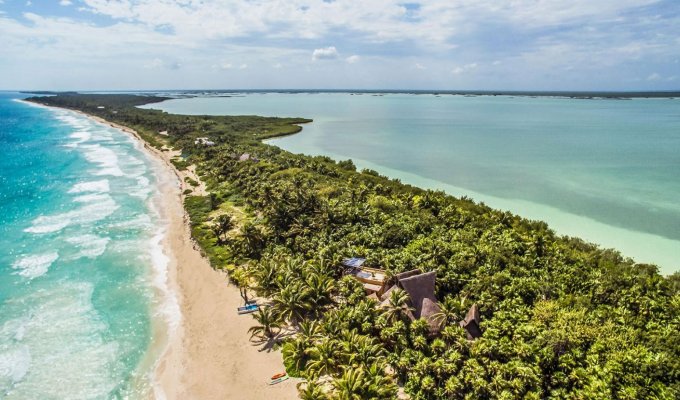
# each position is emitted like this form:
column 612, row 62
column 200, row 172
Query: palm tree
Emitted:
column 309, row 331
column 365, row 351
column 325, row 358
column 349, row 386
column 268, row 321
column 311, row 391
column 265, row 277
column 223, row 224
column 448, row 313
column 320, row 288
column 396, row 306
column 295, row 356
column 292, row 303
column 379, row 385
column 252, row 239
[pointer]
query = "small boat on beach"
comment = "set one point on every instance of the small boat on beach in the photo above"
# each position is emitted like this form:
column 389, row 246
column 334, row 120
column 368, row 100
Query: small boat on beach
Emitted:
column 248, row 308
column 278, row 380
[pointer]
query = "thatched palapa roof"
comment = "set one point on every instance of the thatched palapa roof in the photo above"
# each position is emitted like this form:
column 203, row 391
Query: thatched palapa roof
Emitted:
column 420, row 289
column 471, row 323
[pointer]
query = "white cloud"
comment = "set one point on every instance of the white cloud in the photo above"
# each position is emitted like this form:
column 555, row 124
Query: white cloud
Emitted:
column 654, row 77
column 463, row 69
column 554, row 35
column 158, row 63
column 326, row 53
column 65, row 2
column 154, row 64
column 353, row 59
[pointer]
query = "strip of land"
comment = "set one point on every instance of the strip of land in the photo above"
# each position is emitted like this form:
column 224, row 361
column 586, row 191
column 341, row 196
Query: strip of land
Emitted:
column 210, row 355
column 486, row 304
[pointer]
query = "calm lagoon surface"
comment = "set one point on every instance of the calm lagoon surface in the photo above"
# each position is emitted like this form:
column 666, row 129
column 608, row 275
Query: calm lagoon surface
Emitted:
column 607, row 171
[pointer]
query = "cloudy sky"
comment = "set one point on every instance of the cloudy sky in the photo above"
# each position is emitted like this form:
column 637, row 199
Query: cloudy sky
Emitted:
column 428, row 44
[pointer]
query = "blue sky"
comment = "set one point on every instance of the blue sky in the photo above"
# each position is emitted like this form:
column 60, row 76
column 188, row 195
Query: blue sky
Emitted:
column 435, row 44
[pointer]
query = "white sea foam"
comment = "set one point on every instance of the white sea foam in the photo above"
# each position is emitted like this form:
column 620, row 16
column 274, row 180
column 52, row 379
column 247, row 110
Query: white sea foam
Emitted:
column 81, row 136
column 143, row 181
column 15, row 363
column 101, row 186
column 35, row 265
column 105, row 158
column 91, row 246
column 47, row 225
column 141, row 221
column 142, row 189
column 92, row 211
column 169, row 308
column 92, row 197
column 63, row 352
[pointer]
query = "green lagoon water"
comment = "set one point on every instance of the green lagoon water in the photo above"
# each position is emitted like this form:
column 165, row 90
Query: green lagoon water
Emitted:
column 82, row 271
column 604, row 170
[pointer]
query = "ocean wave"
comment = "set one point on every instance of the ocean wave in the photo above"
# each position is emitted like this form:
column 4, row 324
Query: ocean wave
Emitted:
column 89, row 213
column 14, row 365
column 91, row 246
column 101, row 186
column 82, row 136
column 62, row 351
column 35, row 265
column 104, row 157
column 138, row 222
column 92, row 197
column 169, row 308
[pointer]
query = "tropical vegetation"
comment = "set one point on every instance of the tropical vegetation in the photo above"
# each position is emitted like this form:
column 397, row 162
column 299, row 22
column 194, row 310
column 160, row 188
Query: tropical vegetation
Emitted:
column 561, row 318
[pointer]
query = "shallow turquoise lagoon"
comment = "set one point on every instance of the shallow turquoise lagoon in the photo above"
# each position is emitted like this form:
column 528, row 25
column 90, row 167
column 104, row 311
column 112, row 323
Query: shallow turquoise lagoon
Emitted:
column 604, row 170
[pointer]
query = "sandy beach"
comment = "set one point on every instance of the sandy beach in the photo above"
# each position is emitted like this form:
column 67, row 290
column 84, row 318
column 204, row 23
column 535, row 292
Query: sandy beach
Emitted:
column 210, row 355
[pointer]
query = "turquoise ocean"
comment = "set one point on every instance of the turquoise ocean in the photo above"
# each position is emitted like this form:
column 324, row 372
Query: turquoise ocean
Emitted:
column 604, row 170
column 82, row 269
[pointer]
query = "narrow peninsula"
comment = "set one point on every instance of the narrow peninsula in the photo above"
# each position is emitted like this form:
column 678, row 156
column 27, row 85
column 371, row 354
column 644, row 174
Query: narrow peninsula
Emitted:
column 373, row 289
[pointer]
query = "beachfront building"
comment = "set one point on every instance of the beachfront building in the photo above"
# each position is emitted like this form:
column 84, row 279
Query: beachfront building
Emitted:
column 204, row 141
column 247, row 157
column 471, row 323
column 420, row 288
column 373, row 279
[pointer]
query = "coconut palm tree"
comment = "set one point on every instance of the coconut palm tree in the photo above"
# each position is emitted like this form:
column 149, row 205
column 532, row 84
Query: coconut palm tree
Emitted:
column 268, row 321
column 265, row 273
column 396, row 306
column 295, row 356
column 320, row 288
column 365, row 351
column 292, row 303
column 350, row 385
column 309, row 331
column 448, row 312
column 311, row 390
column 324, row 358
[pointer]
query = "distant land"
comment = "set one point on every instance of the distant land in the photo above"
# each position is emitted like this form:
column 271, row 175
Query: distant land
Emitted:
column 566, row 94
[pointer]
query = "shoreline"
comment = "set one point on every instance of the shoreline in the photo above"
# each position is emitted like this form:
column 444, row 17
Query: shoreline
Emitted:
column 665, row 252
column 208, row 355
